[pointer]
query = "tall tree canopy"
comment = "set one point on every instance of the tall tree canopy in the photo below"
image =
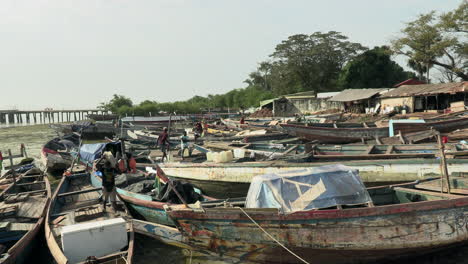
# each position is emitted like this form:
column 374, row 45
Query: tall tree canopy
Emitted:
column 305, row 63
column 117, row 101
column 315, row 61
column 372, row 69
column 437, row 40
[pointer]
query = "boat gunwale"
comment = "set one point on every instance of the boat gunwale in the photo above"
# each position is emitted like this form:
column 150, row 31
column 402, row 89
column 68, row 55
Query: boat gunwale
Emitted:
column 54, row 248
column 127, row 197
column 27, row 238
column 273, row 214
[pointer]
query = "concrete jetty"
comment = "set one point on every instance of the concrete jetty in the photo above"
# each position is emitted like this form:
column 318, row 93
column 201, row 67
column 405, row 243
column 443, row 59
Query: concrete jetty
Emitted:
column 45, row 116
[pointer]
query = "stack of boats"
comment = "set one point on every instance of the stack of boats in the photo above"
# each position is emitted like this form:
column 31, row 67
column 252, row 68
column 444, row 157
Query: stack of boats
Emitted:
column 291, row 193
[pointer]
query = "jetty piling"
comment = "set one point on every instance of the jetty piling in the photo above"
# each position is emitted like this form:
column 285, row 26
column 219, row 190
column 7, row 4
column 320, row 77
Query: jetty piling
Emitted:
column 45, row 116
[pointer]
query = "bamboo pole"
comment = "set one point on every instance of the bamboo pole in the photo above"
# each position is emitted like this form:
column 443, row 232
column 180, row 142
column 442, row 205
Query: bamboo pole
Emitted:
column 160, row 173
column 13, row 172
column 443, row 166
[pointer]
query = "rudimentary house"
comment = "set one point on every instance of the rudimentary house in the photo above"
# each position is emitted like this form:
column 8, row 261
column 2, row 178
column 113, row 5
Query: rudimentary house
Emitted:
column 358, row 100
column 427, row 97
column 409, row 82
column 300, row 103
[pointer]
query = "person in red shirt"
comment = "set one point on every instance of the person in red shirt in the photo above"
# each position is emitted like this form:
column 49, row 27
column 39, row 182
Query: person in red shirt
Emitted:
column 163, row 143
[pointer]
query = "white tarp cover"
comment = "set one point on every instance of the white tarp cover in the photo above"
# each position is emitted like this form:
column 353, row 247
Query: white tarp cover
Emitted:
column 307, row 189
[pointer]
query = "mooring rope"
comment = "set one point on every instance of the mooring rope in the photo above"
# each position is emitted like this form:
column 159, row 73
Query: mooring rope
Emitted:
column 274, row 239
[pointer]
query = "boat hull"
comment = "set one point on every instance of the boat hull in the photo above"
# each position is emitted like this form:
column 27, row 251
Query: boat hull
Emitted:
column 223, row 180
column 328, row 236
column 335, row 135
column 150, row 210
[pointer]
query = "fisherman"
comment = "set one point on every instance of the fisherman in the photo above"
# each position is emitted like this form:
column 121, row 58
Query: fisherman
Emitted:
column 198, row 130
column 184, row 145
column 163, row 143
column 107, row 166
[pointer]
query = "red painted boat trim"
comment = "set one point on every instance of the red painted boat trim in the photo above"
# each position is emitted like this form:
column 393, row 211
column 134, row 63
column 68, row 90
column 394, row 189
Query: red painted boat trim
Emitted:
column 265, row 214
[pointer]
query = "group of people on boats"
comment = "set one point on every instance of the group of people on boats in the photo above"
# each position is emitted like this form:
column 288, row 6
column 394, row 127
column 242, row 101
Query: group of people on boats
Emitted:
column 185, row 148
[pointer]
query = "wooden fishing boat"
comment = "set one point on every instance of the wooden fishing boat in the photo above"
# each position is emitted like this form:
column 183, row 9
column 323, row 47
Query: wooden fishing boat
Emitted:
column 76, row 216
column 155, row 120
column 55, row 154
column 335, row 135
column 337, row 124
column 143, row 204
column 223, row 180
column 444, row 125
column 23, row 206
column 103, row 117
column 402, row 220
column 350, row 135
column 334, row 152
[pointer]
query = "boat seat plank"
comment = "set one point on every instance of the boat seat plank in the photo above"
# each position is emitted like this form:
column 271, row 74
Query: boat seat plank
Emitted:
column 427, row 193
column 79, row 204
column 32, row 207
column 28, row 192
column 369, row 149
column 389, row 149
column 8, row 211
column 79, row 192
column 21, row 226
column 436, row 188
column 30, row 183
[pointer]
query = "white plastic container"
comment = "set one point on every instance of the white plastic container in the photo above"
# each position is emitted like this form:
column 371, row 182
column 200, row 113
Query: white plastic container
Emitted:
column 217, row 158
column 239, row 153
column 97, row 239
column 209, row 156
column 229, row 156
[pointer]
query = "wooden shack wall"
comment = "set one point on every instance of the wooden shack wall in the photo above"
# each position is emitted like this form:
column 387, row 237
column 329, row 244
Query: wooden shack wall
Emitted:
column 397, row 101
column 293, row 106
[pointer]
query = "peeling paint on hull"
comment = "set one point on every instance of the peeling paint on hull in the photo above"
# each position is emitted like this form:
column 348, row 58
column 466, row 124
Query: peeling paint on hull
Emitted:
column 233, row 179
column 328, row 236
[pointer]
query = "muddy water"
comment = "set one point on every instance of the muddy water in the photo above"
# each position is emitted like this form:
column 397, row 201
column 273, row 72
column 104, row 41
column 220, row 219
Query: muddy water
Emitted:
column 148, row 250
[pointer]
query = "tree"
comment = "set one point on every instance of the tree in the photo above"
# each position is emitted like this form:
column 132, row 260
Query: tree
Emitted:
column 372, row 69
column 314, row 60
column 116, row 102
column 437, row 40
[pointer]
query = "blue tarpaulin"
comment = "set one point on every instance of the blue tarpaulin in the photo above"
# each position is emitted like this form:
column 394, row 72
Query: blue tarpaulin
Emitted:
column 91, row 152
column 307, row 189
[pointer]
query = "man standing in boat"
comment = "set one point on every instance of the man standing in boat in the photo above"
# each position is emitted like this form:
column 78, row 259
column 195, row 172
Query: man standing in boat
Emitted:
column 108, row 167
column 163, row 143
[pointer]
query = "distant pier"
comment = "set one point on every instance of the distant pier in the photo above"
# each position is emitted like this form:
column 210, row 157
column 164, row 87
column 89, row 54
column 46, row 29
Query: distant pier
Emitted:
column 45, row 116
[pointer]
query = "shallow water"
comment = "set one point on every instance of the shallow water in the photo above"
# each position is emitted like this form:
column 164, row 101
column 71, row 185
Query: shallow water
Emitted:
column 148, row 250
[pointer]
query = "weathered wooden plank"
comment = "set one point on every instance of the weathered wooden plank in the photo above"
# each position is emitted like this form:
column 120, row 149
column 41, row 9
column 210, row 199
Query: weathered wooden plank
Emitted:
column 369, row 149
column 389, row 149
column 79, row 192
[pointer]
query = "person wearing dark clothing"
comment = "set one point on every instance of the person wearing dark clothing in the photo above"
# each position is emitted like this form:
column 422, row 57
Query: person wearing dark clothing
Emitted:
column 242, row 120
column 163, row 143
column 107, row 166
column 198, row 130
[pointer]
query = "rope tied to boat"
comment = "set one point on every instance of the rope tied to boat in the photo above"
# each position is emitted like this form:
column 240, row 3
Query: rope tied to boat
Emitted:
column 270, row 236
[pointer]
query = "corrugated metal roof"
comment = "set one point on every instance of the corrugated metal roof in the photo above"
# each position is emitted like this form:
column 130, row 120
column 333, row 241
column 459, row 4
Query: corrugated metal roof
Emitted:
column 327, row 95
column 349, row 95
column 427, row 89
column 301, row 95
column 268, row 101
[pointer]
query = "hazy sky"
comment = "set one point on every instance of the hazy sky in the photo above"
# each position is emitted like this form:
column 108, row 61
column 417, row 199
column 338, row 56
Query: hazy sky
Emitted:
column 77, row 53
